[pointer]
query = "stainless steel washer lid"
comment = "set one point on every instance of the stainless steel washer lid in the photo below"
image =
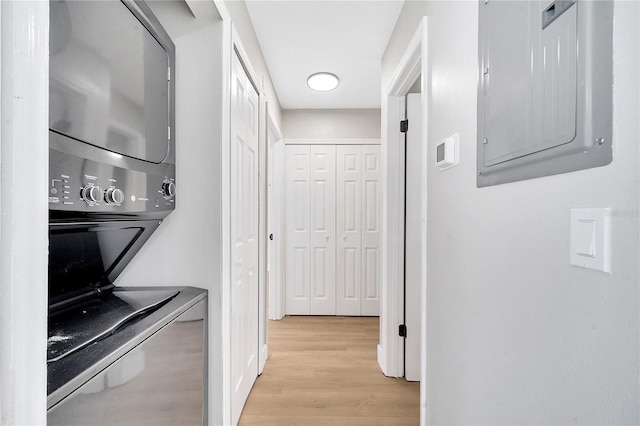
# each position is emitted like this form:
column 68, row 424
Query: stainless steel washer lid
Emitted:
column 69, row 373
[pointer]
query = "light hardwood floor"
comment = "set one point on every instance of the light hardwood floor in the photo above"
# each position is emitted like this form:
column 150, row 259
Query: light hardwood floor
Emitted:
column 324, row 371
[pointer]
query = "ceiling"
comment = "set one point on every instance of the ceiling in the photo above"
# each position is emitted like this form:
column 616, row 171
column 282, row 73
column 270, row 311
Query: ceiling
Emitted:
column 345, row 37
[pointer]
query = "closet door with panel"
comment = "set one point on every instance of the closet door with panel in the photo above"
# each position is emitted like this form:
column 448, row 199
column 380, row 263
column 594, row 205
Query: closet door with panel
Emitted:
column 311, row 249
column 323, row 230
column 333, row 226
column 349, row 229
column 297, row 219
column 371, row 199
column 358, row 230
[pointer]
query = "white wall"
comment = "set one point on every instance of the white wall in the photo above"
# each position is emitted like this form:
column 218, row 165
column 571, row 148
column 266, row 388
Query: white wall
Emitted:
column 331, row 123
column 186, row 248
column 24, row 158
column 515, row 335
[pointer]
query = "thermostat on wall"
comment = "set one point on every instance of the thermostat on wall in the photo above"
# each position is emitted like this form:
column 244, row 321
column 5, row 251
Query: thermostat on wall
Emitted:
column 447, row 152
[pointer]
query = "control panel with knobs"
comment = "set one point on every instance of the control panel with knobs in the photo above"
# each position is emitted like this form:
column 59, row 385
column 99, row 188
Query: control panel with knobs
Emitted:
column 168, row 189
column 92, row 194
column 114, row 196
column 78, row 184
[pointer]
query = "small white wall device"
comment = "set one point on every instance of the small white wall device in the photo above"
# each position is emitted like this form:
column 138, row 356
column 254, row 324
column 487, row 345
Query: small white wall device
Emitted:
column 447, row 152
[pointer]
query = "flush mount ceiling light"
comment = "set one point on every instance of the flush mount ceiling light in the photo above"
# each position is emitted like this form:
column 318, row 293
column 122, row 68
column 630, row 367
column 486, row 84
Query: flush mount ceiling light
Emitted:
column 322, row 81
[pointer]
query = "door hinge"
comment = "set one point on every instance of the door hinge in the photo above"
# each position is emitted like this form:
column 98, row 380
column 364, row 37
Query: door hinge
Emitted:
column 169, row 73
column 402, row 330
column 169, row 132
column 404, row 126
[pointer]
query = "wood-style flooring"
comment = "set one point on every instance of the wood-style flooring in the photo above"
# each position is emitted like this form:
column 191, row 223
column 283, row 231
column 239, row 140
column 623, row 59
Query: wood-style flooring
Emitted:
column 324, row 371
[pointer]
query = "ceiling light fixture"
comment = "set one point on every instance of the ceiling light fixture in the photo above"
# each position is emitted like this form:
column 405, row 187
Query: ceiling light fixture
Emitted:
column 323, row 81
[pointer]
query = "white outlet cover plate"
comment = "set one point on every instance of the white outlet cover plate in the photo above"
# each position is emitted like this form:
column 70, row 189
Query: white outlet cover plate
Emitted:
column 589, row 246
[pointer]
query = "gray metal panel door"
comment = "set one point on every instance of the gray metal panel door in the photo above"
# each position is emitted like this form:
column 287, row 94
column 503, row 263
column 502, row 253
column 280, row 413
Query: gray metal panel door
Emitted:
column 529, row 80
column 545, row 88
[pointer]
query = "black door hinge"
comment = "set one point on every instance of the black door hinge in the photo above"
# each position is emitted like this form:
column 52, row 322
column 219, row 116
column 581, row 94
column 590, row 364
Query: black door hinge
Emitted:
column 402, row 330
column 404, row 126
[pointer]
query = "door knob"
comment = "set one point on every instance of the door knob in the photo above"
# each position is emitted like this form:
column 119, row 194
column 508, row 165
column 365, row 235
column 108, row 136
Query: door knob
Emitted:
column 344, row 236
column 271, row 237
column 326, row 237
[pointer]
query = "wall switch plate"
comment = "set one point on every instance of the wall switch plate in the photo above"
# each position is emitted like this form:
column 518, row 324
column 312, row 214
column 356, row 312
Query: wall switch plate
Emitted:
column 589, row 245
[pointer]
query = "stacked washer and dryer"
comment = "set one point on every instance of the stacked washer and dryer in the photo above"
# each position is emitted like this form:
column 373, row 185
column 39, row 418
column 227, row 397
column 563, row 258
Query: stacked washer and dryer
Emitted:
column 115, row 355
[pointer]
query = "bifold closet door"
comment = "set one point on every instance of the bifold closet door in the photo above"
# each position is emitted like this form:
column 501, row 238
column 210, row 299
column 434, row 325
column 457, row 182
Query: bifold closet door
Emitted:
column 310, row 222
column 358, row 230
column 323, row 230
column 333, row 230
column 297, row 224
column 371, row 194
column 349, row 229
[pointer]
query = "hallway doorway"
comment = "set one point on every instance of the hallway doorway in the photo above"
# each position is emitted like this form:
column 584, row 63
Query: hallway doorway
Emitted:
column 413, row 253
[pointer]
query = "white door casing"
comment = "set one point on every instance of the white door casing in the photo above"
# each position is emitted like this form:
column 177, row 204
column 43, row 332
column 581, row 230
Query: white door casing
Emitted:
column 411, row 66
column 298, row 229
column 349, row 229
column 244, row 237
column 413, row 242
column 371, row 192
column 322, row 230
column 23, row 214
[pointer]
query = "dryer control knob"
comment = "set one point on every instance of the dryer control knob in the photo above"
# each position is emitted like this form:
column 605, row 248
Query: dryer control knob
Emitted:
column 168, row 189
column 92, row 194
column 114, row 196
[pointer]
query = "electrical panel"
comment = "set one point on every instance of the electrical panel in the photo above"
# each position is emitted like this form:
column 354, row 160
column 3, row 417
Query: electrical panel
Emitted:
column 545, row 88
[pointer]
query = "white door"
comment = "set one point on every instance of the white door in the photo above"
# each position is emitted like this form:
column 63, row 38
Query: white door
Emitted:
column 371, row 194
column 263, row 239
column 323, row 230
column 310, row 230
column 348, row 229
column 275, row 197
column 272, row 249
column 413, row 244
column 298, row 233
column 244, row 238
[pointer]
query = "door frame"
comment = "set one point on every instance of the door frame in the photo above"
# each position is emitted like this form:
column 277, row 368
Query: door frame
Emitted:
column 24, row 249
column 412, row 222
column 275, row 207
column 413, row 63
